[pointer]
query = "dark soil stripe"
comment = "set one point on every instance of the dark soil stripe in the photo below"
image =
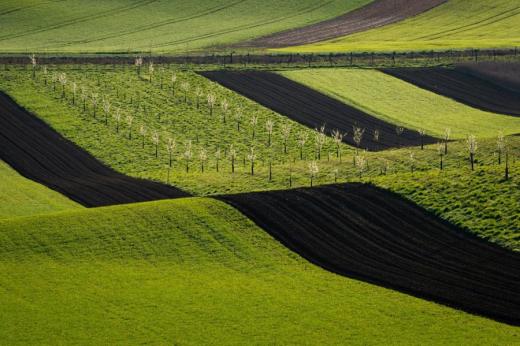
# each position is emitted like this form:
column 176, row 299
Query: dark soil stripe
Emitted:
column 312, row 108
column 39, row 153
column 370, row 234
column 376, row 14
column 462, row 87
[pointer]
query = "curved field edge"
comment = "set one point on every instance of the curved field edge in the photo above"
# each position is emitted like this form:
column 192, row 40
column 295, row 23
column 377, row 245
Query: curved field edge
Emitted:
column 162, row 271
column 81, row 26
column 457, row 24
column 405, row 104
column 20, row 196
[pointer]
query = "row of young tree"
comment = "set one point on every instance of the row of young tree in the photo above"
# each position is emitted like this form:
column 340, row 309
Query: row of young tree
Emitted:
column 91, row 102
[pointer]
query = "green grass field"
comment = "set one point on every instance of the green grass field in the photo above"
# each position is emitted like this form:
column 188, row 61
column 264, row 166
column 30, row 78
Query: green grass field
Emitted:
column 75, row 26
column 195, row 271
column 402, row 103
column 22, row 197
column 458, row 24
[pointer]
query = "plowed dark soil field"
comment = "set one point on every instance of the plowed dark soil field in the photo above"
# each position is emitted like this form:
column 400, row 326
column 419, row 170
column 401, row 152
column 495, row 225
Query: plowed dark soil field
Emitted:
column 463, row 87
column 375, row 14
column 370, row 234
column 504, row 74
column 314, row 109
column 39, row 153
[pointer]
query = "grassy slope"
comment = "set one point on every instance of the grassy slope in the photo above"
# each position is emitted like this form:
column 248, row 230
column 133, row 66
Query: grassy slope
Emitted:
column 195, row 271
column 402, row 103
column 458, row 24
column 22, row 197
column 162, row 26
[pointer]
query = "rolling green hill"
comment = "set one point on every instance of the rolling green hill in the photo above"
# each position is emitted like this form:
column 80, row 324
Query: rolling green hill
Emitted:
column 401, row 103
column 195, row 271
column 22, row 197
column 75, row 26
column 458, row 24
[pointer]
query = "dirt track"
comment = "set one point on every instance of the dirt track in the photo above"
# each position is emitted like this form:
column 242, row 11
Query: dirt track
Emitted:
column 370, row 234
column 375, row 14
column 39, row 153
column 312, row 108
column 467, row 88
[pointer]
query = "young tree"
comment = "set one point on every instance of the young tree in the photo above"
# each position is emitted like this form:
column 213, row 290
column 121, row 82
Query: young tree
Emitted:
column 472, row 148
column 441, row 150
column 337, row 137
column 501, row 144
column 203, row 156
column 185, row 86
column 84, row 98
column 238, row 118
column 506, row 173
column 232, row 156
column 129, row 121
column 198, row 94
column 286, row 132
column 376, row 135
column 138, row 63
column 447, row 133
column 422, row 132
column 32, row 57
column 313, row 170
column 117, row 118
column 254, row 122
column 357, row 136
column 45, row 73
column 361, row 164
column 225, row 108
column 385, row 167
column 170, row 147
column 218, row 155
column 335, row 171
column 74, row 89
column 188, row 154
column 151, row 70
column 411, row 157
column 251, row 157
column 211, row 99
column 106, row 109
column 94, row 100
column 269, row 125
column 161, row 74
column 155, row 141
column 142, row 132
column 399, row 131
column 62, row 78
column 319, row 141
column 302, row 139
column 174, row 82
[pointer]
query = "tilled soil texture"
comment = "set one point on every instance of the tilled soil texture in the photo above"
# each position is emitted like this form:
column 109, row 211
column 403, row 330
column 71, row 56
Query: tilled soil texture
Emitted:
column 376, row 14
column 463, row 87
column 504, row 74
column 314, row 109
column 373, row 235
column 39, row 153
